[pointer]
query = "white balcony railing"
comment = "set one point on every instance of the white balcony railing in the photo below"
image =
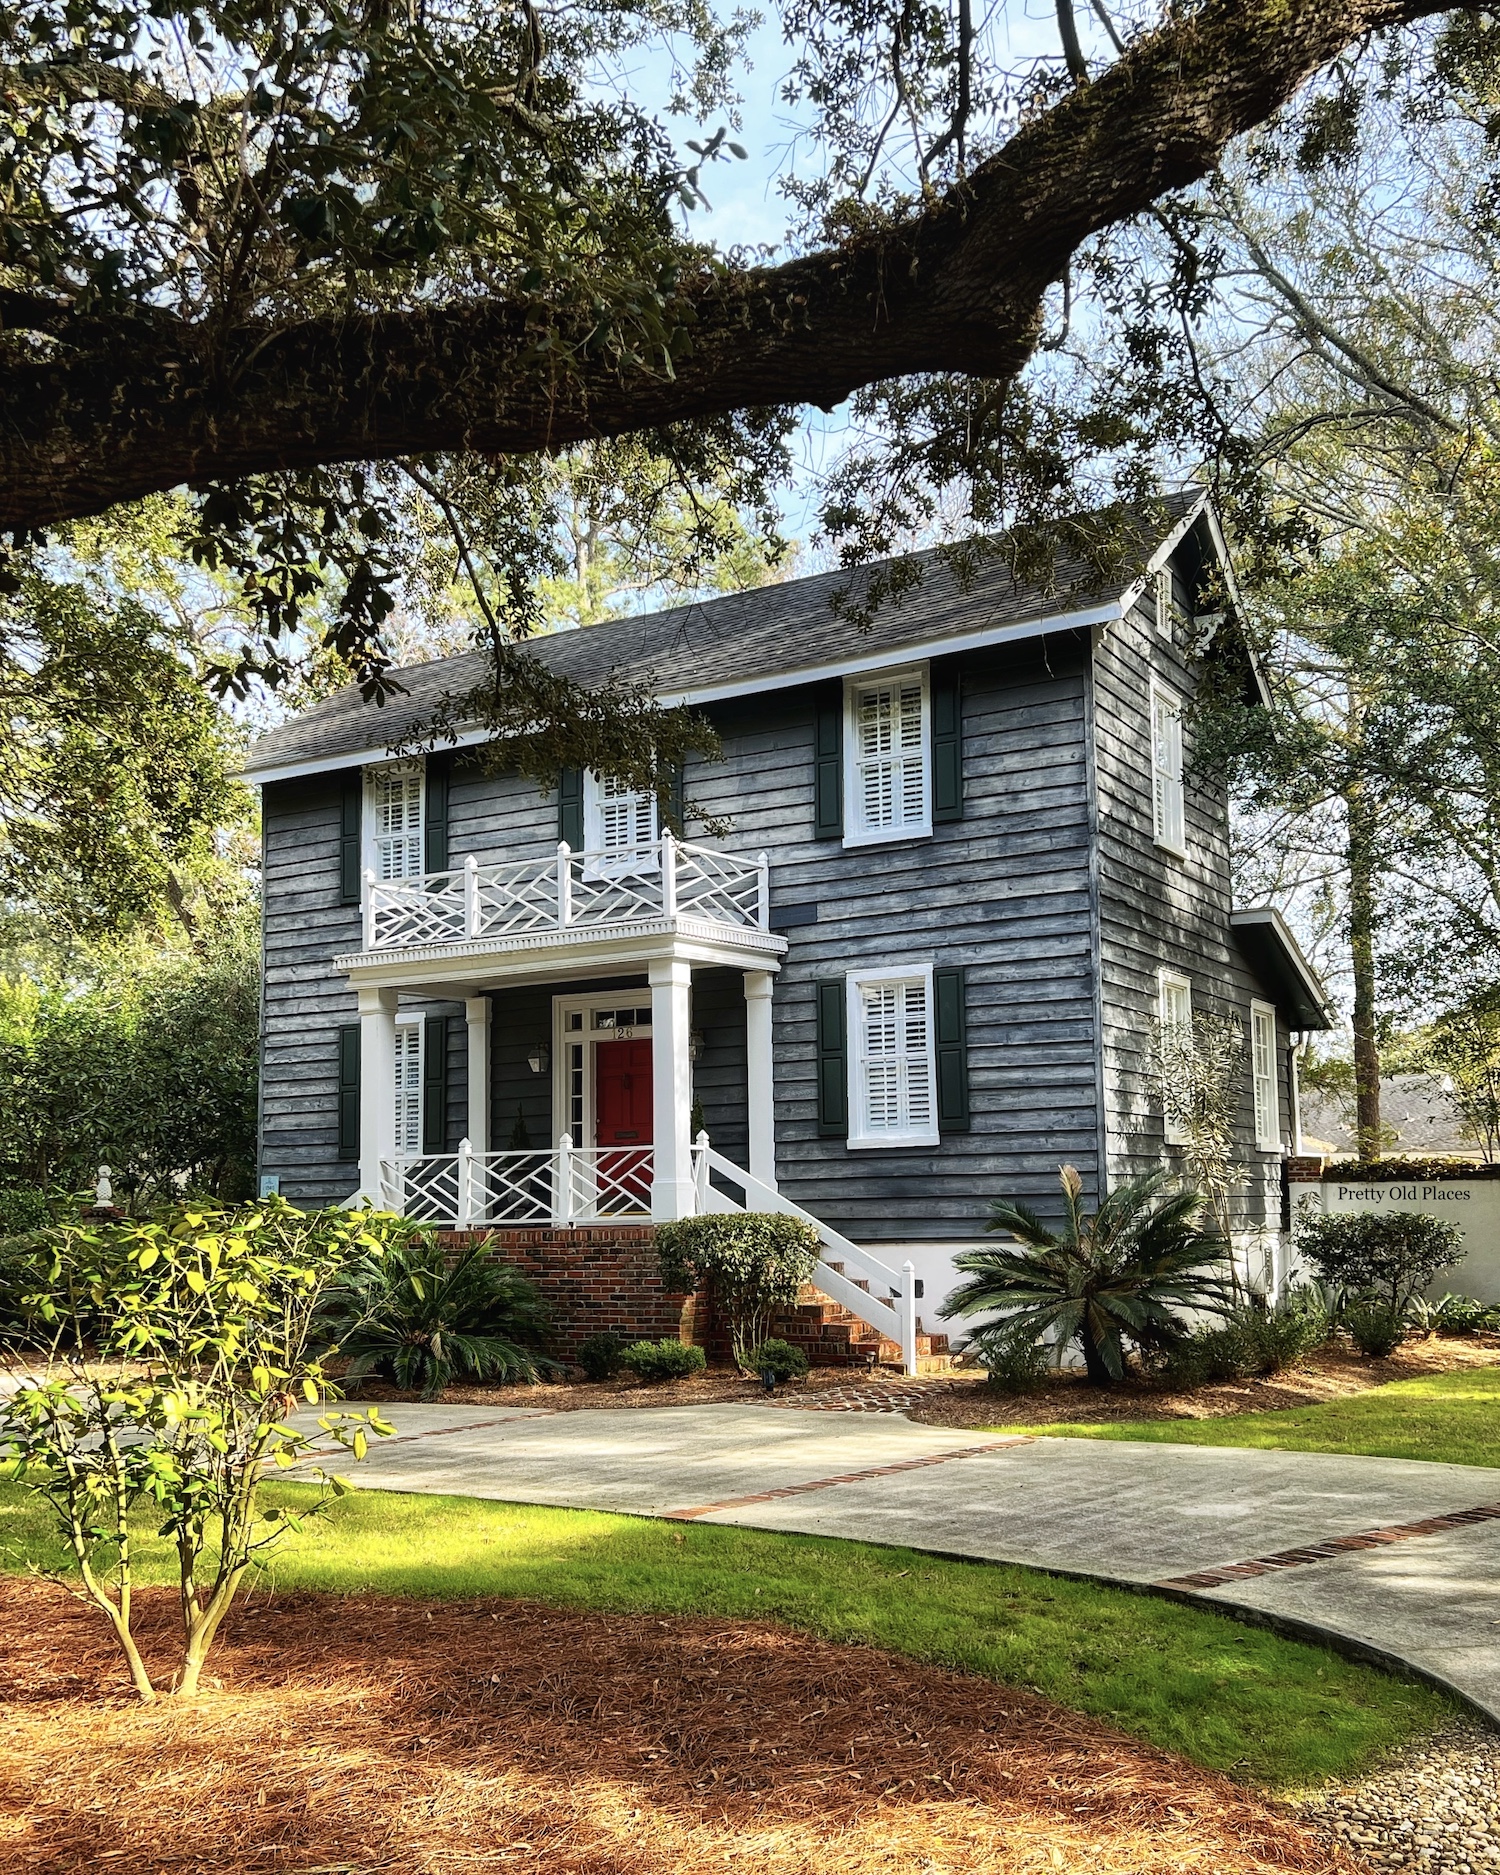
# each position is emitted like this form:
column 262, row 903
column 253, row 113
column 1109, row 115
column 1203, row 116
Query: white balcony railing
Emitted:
column 581, row 891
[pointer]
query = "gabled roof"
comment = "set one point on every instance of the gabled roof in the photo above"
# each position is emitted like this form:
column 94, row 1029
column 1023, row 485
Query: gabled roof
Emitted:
column 1276, row 958
column 769, row 638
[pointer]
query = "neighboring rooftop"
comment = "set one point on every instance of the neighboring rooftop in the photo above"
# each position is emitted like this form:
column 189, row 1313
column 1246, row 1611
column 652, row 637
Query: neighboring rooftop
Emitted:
column 1420, row 1120
column 766, row 638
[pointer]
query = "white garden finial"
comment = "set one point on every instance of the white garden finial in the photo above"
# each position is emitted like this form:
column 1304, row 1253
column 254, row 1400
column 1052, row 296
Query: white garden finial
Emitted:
column 103, row 1191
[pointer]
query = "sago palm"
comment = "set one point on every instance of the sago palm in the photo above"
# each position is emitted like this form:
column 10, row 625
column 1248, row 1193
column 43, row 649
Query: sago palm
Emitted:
column 1125, row 1273
column 421, row 1317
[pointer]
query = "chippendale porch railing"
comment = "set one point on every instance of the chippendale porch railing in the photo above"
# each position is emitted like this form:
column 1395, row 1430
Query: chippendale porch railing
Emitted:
column 583, row 891
column 568, row 1184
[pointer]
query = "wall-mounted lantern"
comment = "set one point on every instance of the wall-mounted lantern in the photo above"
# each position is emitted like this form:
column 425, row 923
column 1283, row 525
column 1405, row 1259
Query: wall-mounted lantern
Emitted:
column 538, row 1057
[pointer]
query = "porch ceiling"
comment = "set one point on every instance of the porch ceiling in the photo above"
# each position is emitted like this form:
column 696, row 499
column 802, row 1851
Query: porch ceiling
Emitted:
column 552, row 956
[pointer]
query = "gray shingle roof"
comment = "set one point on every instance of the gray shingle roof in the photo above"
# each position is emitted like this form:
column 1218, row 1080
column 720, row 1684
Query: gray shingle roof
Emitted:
column 769, row 633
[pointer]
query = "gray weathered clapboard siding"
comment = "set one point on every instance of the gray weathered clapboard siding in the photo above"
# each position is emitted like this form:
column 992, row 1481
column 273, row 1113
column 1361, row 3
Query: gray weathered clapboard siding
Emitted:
column 1050, row 893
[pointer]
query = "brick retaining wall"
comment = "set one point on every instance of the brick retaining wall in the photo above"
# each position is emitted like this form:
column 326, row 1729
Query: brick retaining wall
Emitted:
column 597, row 1277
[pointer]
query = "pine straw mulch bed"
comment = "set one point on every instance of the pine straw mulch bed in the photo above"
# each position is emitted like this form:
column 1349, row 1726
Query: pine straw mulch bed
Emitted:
column 375, row 1734
column 963, row 1399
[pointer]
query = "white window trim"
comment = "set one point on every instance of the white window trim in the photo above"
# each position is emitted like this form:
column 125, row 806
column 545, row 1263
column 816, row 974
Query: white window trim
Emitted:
column 855, row 833
column 369, row 849
column 1172, row 980
column 624, row 863
column 854, row 1028
column 1266, row 1139
column 1161, row 693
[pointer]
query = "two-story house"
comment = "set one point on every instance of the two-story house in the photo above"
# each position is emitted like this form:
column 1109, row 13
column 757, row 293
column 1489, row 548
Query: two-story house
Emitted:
column 969, row 864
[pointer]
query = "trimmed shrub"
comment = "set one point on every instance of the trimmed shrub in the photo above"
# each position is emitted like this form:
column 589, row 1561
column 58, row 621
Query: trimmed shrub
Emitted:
column 757, row 1262
column 1253, row 1339
column 663, row 1360
column 1375, row 1326
column 778, row 1358
column 1390, row 1255
column 1011, row 1353
column 601, row 1356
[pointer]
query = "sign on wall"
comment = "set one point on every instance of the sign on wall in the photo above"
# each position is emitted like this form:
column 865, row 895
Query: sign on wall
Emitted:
column 1472, row 1204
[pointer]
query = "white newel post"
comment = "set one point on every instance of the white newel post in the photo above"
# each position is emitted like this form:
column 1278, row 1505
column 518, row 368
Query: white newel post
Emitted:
column 465, row 1184
column 760, row 1088
column 909, row 1317
column 377, row 1089
column 671, row 1089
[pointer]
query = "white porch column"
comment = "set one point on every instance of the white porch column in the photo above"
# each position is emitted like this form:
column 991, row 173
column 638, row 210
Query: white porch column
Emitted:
column 759, row 1084
column 477, row 1017
column 377, row 1089
column 671, row 1089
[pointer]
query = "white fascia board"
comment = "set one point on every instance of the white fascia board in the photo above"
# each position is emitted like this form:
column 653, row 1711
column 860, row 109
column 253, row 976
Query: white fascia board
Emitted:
column 1167, row 548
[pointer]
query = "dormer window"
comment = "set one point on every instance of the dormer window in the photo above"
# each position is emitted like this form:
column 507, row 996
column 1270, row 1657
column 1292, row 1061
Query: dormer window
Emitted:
column 888, row 743
column 395, row 812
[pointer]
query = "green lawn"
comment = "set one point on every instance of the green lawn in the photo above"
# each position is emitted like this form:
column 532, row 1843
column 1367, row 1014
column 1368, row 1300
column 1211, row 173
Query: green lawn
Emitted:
column 1451, row 1417
column 1276, row 1713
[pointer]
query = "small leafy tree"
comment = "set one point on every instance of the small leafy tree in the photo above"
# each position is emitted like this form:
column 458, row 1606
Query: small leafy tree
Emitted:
column 1123, row 1274
column 1463, row 1047
column 174, row 1354
column 1199, row 1074
column 757, row 1262
column 1384, row 1256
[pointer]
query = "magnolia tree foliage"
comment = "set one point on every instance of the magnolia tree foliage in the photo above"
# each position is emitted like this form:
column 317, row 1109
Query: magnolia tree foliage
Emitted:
column 1463, row 1048
column 755, row 1262
column 1199, row 1072
column 174, row 1355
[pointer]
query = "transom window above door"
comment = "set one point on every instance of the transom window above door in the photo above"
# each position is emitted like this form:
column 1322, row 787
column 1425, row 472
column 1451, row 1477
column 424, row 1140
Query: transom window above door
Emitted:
column 394, row 797
column 888, row 785
column 618, row 820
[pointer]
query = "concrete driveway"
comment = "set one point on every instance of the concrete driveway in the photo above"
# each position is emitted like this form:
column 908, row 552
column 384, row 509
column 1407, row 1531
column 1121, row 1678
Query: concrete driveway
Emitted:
column 1399, row 1557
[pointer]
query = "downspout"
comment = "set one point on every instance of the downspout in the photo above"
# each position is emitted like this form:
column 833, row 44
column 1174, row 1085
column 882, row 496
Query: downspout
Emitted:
column 1096, row 918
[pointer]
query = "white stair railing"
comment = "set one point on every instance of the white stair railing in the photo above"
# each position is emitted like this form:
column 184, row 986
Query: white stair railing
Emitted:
column 896, row 1320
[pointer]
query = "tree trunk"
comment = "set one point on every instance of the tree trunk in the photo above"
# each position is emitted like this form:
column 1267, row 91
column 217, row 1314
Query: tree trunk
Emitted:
column 1093, row 1360
column 1360, row 860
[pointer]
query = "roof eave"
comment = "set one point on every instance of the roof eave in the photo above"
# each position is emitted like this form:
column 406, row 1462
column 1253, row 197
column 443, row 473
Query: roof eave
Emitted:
column 1314, row 1010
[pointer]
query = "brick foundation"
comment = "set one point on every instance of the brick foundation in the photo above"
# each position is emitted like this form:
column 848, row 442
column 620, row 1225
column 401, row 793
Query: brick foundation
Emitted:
column 594, row 1278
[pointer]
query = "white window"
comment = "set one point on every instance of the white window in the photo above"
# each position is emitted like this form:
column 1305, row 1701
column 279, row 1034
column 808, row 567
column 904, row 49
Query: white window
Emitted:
column 1263, row 1077
column 394, row 804
column 887, row 780
column 619, row 823
column 1174, row 1008
column 408, row 1089
column 1166, row 770
column 892, row 1068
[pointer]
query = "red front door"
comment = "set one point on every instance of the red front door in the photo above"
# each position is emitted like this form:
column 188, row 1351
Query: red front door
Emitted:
column 622, row 1118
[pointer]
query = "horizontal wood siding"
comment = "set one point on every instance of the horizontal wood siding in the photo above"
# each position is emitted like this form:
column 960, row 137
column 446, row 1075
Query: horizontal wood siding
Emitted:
column 1005, row 893
column 1158, row 911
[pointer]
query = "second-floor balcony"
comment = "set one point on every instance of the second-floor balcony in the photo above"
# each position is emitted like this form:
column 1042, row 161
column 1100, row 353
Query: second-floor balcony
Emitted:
column 587, row 893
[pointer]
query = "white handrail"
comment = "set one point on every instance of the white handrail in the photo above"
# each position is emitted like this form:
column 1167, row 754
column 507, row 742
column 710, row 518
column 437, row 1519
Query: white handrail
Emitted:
column 896, row 1323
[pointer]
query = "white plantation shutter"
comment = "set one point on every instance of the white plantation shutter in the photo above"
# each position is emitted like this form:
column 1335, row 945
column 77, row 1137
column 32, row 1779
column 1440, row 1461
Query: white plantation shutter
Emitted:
column 408, row 1088
column 1263, row 1076
column 894, row 1059
column 1166, row 770
column 890, row 755
column 396, row 803
column 626, row 817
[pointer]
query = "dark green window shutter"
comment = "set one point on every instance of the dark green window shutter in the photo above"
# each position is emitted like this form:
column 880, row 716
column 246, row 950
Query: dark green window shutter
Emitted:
column 828, row 767
column 435, row 815
column 947, row 747
column 435, row 1084
column 676, row 798
column 952, row 1036
column 349, row 1090
column 570, row 807
column 351, row 803
column 833, row 1060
